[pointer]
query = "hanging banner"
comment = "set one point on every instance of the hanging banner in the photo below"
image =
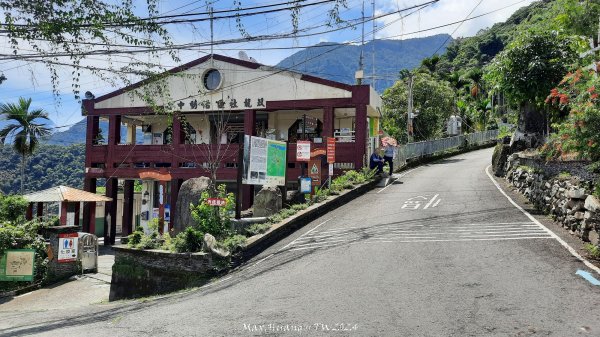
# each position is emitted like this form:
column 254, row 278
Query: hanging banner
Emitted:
column 303, row 150
column 264, row 161
column 331, row 150
column 67, row 247
column 17, row 265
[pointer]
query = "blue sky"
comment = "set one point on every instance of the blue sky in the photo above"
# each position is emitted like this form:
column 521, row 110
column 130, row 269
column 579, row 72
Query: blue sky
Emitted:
column 32, row 80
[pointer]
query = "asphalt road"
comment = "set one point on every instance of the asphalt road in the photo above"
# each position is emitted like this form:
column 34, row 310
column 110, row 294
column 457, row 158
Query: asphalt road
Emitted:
column 441, row 252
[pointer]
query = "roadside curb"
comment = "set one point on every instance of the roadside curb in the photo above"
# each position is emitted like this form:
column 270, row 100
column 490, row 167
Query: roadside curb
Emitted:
column 258, row 243
column 560, row 240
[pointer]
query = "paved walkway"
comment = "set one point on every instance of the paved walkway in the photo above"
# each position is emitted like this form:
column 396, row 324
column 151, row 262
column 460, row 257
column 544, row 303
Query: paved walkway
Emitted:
column 78, row 291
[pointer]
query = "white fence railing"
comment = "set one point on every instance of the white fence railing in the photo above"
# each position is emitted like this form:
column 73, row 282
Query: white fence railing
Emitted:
column 430, row 147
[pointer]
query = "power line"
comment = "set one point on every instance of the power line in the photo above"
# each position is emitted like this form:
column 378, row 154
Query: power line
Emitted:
column 457, row 27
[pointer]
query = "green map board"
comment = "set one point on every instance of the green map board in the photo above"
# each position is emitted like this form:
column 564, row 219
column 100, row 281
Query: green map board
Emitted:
column 17, row 265
column 265, row 161
column 276, row 162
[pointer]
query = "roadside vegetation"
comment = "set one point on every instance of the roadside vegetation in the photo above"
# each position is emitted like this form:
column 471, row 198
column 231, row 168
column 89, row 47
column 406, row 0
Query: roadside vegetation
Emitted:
column 18, row 233
column 217, row 221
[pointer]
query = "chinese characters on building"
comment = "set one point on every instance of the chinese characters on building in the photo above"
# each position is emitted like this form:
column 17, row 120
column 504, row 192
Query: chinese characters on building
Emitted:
column 233, row 103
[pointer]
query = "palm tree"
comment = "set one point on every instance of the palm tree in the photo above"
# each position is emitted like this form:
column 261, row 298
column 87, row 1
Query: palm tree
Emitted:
column 22, row 130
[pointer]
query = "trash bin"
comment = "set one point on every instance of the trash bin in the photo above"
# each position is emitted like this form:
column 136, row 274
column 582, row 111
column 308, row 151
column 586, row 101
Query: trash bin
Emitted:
column 88, row 252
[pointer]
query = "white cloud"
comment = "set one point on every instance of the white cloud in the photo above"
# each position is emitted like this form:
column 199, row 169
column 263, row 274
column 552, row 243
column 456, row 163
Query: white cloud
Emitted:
column 445, row 12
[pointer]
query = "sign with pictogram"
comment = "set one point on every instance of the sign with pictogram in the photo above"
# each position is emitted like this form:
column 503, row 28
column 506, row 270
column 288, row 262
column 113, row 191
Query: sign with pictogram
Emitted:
column 331, row 150
column 217, row 202
column 314, row 171
column 67, row 247
column 303, row 150
column 17, row 265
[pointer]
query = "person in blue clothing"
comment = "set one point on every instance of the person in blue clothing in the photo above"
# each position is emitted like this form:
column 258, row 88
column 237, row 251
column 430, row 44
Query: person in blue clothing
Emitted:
column 376, row 161
column 388, row 156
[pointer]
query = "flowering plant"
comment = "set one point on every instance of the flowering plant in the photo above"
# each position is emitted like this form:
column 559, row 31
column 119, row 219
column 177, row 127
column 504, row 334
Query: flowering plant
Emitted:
column 579, row 133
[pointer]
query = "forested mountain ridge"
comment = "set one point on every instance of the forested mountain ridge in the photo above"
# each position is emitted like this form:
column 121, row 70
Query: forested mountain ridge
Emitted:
column 339, row 62
column 50, row 165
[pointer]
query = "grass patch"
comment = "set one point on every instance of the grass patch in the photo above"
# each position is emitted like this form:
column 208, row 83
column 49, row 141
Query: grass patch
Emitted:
column 593, row 250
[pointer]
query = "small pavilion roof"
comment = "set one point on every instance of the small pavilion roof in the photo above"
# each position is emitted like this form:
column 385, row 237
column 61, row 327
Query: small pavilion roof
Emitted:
column 64, row 193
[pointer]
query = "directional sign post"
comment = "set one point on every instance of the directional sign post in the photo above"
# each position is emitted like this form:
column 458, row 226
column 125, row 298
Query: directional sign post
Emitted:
column 314, row 172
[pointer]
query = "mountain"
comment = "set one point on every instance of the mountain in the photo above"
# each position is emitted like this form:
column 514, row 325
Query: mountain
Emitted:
column 73, row 135
column 339, row 62
column 50, row 165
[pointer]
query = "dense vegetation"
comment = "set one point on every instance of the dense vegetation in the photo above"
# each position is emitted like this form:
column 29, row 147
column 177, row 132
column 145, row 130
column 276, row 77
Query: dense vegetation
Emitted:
column 505, row 73
column 48, row 166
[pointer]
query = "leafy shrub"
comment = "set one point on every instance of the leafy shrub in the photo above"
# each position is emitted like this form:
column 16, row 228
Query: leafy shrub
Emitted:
column 190, row 240
column 234, row 242
column 258, row 228
column 24, row 235
column 299, row 207
column 12, row 208
column 593, row 250
column 214, row 220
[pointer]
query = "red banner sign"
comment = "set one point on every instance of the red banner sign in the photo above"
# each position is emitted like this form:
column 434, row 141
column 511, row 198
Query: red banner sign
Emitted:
column 331, row 150
column 218, row 202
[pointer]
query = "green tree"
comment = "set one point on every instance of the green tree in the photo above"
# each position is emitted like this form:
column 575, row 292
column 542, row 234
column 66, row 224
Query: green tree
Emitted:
column 23, row 130
column 433, row 99
column 526, row 71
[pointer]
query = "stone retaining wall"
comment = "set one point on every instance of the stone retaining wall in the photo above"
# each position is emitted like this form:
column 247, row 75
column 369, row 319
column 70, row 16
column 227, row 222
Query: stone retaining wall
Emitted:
column 139, row 273
column 567, row 198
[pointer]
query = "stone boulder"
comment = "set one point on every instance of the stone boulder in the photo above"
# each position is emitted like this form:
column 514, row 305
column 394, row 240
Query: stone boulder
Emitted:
column 592, row 204
column 210, row 246
column 499, row 159
column 189, row 193
column 268, row 201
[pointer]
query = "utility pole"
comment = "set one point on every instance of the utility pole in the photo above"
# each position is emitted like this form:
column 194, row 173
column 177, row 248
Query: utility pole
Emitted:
column 360, row 74
column 409, row 114
column 373, row 46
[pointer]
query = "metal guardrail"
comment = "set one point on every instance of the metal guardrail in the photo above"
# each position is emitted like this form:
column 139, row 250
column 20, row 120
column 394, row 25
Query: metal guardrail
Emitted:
column 430, row 147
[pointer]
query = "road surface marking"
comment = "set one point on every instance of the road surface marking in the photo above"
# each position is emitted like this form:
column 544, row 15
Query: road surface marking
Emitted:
column 310, row 231
column 431, row 201
column 586, row 275
column 385, row 240
column 551, row 233
column 400, row 176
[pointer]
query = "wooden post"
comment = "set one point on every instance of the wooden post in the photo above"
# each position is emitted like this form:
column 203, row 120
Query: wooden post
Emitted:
column 29, row 212
column 127, row 221
column 250, row 130
column 110, row 212
column 89, row 208
column 63, row 213
column 360, row 136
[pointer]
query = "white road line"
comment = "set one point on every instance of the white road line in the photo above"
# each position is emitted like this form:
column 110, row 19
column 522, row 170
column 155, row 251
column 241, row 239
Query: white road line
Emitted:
column 400, row 176
column 384, row 240
column 261, row 260
column 351, row 229
column 431, row 201
column 437, row 202
column 291, row 243
column 551, row 233
column 320, row 235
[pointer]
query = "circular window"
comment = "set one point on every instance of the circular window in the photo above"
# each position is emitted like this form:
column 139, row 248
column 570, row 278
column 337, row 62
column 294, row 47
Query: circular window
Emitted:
column 212, row 79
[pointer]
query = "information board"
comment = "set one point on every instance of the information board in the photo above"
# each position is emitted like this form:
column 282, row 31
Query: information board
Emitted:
column 303, row 150
column 17, row 265
column 264, row 161
column 67, row 247
column 314, row 171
